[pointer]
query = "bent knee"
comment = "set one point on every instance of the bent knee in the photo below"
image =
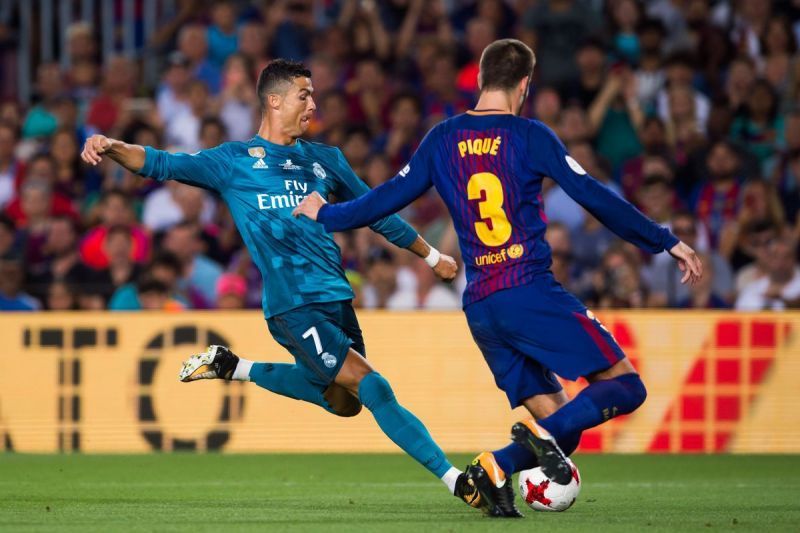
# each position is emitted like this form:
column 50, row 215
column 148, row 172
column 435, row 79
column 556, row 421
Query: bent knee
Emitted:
column 341, row 401
column 374, row 391
column 635, row 387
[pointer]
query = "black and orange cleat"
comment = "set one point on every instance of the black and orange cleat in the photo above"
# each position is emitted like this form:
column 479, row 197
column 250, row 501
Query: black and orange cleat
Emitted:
column 467, row 492
column 552, row 460
column 495, row 489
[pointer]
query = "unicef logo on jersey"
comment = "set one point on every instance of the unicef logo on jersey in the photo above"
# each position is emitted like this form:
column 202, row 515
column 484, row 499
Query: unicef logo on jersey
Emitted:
column 318, row 170
column 328, row 360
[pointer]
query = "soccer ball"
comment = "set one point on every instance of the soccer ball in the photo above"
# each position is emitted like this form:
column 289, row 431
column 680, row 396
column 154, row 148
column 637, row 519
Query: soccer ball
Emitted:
column 542, row 494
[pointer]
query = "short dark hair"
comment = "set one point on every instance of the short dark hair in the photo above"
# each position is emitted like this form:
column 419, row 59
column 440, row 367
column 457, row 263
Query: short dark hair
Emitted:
column 504, row 63
column 276, row 73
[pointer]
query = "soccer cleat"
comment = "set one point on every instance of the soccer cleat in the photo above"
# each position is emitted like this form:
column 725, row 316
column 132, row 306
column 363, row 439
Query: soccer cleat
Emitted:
column 495, row 489
column 467, row 492
column 218, row 362
column 551, row 459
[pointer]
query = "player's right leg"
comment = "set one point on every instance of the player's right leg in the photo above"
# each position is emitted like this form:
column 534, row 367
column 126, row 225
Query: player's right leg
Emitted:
column 290, row 380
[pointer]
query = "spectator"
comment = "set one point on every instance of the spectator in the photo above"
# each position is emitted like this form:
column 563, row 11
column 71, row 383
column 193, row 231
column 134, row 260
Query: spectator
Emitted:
column 617, row 284
column 650, row 75
column 165, row 268
column 759, row 124
column 11, row 296
column 193, row 43
column 591, row 64
column 115, row 210
column 756, row 238
column 428, row 293
column 41, row 120
column 175, row 202
column 381, row 280
column 239, row 101
column 779, row 45
column 184, row 130
column 200, row 274
column 626, row 16
column 653, row 138
column 154, row 296
column 760, row 203
column 172, row 94
column 119, row 84
column 333, row 123
column 701, row 294
column 222, row 37
column 480, row 33
column 559, row 25
column 401, row 139
column 11, row 168
column 61, row 261
column 231, row 291
column 118, row 247
column 780, row 288
column 663, row 278
column 253, row 45
column 615, row 116
column 716, row 202
column 10, row 245
column 61, row 297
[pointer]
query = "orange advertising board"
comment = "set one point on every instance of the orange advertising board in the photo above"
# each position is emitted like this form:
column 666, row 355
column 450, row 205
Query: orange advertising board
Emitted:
column 107, row 382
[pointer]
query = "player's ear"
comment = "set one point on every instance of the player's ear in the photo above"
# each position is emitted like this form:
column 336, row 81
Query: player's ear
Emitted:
column 274, row 100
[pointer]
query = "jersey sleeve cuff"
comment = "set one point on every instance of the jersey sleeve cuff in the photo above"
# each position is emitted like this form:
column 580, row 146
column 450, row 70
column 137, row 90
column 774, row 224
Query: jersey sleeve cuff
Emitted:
column 670, row 241
column 150, row 156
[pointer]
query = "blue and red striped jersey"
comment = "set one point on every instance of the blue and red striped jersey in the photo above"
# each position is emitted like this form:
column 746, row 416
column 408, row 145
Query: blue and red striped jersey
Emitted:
column 488, row 169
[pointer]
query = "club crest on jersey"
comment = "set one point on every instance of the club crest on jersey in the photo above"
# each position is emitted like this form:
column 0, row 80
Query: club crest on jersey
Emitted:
column 288, row 165
column 515, row 251
column 257, row 151
column 318, row 170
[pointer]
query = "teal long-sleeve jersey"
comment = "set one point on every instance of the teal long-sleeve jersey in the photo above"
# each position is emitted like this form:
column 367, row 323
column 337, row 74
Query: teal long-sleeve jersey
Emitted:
column 262, row 182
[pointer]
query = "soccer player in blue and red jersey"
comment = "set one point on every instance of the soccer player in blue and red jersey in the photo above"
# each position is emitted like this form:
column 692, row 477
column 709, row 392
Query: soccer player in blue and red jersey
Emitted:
column 488, row 165
column 307, row 299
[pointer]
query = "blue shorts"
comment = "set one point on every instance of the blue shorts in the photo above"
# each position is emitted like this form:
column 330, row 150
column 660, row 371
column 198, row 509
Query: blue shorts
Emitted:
column 528, row 333
column 319, row 337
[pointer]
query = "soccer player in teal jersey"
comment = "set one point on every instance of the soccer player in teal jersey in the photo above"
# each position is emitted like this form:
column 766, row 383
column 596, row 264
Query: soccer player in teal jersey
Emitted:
column 307, row 299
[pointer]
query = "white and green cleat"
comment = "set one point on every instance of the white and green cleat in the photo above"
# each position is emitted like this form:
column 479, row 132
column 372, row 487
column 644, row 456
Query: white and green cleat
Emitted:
column 217, row 362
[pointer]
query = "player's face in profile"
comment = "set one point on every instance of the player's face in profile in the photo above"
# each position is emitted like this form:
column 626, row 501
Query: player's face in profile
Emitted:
column 298, row 107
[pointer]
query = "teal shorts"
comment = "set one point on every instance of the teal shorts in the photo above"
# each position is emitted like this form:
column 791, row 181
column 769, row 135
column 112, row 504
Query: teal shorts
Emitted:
column 319, row 337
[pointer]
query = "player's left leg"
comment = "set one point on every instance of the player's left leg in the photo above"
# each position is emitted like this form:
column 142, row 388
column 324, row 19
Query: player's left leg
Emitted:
column 617, row 390
column 567, row 338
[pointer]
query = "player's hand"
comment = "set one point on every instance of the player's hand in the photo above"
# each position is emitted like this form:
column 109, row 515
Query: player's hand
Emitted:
column 94, row 148
column 310, row 206
column 446, row 269
column 688, row 262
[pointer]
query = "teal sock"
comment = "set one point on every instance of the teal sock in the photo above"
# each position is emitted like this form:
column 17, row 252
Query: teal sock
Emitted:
column 287, row 380
column 401, row 425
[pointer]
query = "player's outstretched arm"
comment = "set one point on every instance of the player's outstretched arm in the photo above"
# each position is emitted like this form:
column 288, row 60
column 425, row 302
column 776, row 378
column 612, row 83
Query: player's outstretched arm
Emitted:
column 619, row 215
column 130, row 156
column 444, row 266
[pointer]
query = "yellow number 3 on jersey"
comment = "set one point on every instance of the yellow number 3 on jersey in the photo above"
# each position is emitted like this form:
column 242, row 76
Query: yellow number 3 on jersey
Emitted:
column 491, row 207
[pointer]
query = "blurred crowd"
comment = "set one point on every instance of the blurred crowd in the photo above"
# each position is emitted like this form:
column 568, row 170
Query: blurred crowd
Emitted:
column 690, row 109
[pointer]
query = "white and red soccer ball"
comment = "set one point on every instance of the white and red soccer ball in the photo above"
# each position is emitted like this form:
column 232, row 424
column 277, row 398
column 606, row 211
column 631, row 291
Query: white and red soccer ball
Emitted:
column 542, row 494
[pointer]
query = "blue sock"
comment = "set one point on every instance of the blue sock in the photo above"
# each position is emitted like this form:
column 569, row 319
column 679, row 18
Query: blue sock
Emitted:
column 597, row 403
column 516, row 457
column 401, row 425
column 287, row 380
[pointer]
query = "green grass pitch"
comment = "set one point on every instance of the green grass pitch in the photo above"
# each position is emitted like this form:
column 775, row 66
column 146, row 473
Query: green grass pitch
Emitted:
column 187, row 492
